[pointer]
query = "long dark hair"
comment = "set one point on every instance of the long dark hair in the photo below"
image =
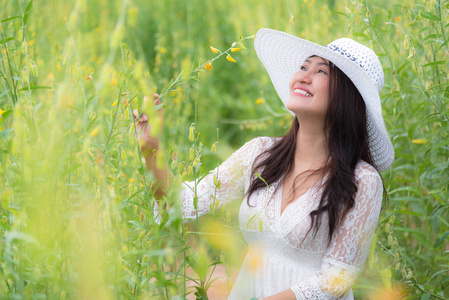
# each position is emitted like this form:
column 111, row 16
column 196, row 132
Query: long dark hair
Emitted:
column 347, row 143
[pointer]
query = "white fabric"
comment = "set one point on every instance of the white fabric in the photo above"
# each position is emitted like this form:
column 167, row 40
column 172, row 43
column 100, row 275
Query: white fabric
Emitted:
column 283, row 54
column 279, row 257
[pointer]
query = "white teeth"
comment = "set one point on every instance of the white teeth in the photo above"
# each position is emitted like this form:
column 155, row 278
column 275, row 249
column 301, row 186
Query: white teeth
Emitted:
column 302, row 92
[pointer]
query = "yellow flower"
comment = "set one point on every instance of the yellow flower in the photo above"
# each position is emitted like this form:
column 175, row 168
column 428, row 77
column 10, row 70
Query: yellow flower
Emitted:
column 254, row 262
column 113, row 81
column 208, row 66
column 162, row 50
column 229, row 58
column 115, row 103
column 214, row 50
column 235, row 49
column 94, row 132
column 419, row 141
column 260, row 101
column 1, row 112
column 397, row 19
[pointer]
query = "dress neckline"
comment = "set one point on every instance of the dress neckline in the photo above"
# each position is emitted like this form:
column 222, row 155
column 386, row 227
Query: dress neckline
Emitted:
column 297, row 200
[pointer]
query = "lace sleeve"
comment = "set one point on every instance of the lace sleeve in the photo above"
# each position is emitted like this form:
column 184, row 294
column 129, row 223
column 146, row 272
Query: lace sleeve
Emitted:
column 349, row 248
column 224, row 184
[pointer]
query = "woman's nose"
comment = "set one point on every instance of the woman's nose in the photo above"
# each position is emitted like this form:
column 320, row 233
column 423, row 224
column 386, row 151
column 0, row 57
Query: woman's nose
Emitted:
column 304, row 76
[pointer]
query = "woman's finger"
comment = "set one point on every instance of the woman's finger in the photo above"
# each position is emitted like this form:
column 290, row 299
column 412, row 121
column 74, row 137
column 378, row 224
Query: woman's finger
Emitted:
column 136, row 113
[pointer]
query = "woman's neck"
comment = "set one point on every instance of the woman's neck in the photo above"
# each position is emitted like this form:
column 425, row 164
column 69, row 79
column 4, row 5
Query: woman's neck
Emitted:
column 311, row 151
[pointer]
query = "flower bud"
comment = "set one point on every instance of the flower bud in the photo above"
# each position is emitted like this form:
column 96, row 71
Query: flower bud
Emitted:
column 229, row 58
column 214, row 50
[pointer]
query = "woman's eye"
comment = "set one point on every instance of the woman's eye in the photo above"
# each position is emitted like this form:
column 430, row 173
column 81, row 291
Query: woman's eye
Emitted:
column 303, row 68
column 322, row 71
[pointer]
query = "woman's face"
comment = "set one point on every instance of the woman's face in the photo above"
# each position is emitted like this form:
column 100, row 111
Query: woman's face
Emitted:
column 309, row 89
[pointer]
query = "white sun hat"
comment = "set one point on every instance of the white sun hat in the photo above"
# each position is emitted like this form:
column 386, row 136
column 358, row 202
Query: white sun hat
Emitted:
column 283, row 54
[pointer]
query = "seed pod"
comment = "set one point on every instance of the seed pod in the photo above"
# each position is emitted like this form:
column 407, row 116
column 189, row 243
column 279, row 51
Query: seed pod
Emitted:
column 404, row 273
column 406, row 43
column 392, row 217
column 174, row 164
column 214, row 147
column 192, row 154
column 192, row 132
column 35, row 70
column 190, row 170
column 387, row 227
column 25, row 75
column 228, row 216
column 196, row 162
column 409, row 274
column 390, row 239
column 24, row 47
column 420, row 71
column 397, row 266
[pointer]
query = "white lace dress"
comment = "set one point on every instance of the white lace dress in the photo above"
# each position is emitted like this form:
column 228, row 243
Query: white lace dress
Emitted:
column 279, row 257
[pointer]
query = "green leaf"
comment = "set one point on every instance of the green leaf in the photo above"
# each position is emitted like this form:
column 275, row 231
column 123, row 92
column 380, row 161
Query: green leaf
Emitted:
column 435, row 63
column 10, row 18
column 137, row 224
column 5, row 133
column 141, row 170
column 362, row 35
column 440, row 240
column 7, row 113
column 7, row 40
column 27, row 12
column 428, row 15
column 36, row 87
column 430, row 36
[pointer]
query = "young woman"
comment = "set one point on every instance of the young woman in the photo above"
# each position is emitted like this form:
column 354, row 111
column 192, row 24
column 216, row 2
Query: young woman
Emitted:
column 316, row 191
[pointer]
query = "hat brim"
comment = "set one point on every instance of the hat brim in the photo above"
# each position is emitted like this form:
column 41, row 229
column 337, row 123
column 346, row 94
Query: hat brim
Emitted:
column 282, row 55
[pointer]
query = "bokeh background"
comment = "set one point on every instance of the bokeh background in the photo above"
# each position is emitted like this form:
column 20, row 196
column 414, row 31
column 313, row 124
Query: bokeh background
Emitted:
column 76, row 204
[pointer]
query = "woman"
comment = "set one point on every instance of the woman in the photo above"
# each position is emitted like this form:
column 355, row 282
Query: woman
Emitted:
column 316, row 191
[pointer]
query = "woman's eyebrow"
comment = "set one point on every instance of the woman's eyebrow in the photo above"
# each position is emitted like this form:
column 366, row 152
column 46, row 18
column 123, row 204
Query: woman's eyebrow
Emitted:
column 320, row 63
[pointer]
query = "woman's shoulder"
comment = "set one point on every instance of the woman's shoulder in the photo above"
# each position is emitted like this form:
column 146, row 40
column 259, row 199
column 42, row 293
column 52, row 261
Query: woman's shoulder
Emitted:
column 366, row 172
column 261, row 142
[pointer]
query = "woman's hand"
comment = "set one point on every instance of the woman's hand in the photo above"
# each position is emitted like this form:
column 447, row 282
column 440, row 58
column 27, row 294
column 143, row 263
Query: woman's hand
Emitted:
column 147, row 143
column 150, row 145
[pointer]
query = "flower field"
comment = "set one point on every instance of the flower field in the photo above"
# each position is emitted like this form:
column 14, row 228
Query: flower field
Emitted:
column 76, row 202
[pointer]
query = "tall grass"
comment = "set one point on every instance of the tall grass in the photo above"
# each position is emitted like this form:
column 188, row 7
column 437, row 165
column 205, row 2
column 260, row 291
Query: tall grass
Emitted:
column 76, row 203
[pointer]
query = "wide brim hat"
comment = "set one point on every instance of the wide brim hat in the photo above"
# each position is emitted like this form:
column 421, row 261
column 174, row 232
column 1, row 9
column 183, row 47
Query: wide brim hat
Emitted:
column 283, row 54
